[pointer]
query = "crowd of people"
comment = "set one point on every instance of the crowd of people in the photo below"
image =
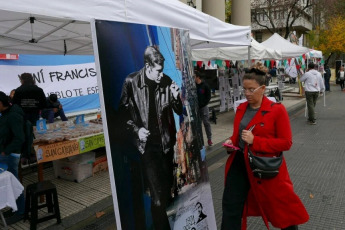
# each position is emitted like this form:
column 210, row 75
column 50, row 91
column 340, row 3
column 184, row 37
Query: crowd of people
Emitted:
column 23, row 106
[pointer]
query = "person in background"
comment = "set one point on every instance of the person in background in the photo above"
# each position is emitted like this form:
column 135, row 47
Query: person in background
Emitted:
column 13, row 91
column 327, row 76
column 273, row 74
column 313, row 85
column 30, row 98
column 244, row 194
column 204, row 97
column 341, row 77
column 11, row 141
column 54, row 109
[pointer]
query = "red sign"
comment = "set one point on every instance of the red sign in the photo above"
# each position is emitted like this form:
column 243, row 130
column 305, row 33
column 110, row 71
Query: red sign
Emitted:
column 9, row 56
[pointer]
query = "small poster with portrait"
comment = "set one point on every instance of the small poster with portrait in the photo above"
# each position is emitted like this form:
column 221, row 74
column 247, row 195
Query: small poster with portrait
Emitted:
column 41, row 126
column 80, row 120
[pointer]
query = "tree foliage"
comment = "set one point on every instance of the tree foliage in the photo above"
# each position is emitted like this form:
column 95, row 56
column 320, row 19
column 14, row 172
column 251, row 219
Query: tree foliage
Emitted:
column 279, row 13
column 331, row 40
column 228, row 11
column 332, row 8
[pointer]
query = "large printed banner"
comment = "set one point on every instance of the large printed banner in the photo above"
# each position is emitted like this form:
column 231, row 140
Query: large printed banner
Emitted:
column 65, row 80
column 152, row 128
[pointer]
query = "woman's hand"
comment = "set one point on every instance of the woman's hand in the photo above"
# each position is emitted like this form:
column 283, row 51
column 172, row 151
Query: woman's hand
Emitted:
column 229, row 142
column 247, row 136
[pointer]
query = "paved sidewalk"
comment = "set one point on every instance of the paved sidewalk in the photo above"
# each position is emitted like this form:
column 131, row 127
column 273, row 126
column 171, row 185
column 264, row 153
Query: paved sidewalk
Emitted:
column 315, row 162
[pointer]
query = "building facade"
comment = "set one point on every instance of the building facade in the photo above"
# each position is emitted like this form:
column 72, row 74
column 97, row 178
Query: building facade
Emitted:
column 268, row 18
column 214, row 8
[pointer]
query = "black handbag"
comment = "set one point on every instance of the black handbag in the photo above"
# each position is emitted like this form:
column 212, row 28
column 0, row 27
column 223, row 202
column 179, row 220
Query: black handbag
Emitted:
column 264, row 167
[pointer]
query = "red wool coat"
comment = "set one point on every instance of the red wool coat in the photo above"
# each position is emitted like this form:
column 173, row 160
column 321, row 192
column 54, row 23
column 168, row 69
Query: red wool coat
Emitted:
column 273, row 199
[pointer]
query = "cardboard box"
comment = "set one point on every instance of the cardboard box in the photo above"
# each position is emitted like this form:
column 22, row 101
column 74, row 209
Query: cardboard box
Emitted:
column 100, row 165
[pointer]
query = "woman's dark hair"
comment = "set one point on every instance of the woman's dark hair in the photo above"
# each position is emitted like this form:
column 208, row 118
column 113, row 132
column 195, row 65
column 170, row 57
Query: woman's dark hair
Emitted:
column 27, row 79
column 53, row 97
column 198, row 203
column 258, row 73
column 4, row 99
column 311, row 65
column 199, row 74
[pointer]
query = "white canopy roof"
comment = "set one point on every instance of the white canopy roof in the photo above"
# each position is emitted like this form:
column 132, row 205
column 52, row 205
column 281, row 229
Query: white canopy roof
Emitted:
column 257, row 52
column 314, row 54
column 64, row 25
column 288, row 49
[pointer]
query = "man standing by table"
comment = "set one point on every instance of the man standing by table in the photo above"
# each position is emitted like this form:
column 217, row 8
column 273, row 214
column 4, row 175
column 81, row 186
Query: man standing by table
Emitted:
column 148, row 99
column 30, row 98
column 313, row 85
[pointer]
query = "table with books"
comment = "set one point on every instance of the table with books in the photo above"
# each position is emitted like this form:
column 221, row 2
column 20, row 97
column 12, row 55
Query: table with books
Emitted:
column 66, row 139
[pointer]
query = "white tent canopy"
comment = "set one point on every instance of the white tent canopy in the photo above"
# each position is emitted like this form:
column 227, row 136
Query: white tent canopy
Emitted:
column 288, row 49
column 257, row 52
column 63, row 26
column 314, row 54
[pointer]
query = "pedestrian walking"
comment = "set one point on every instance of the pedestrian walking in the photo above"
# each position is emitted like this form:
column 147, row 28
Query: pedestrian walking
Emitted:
column 327, row 77
column 204, row 97
column 341, row 77
column 263, row 127
column 313, row 85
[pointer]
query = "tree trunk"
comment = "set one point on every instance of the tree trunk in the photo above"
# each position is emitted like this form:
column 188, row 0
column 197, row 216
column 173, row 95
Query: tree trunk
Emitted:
column 327, row 60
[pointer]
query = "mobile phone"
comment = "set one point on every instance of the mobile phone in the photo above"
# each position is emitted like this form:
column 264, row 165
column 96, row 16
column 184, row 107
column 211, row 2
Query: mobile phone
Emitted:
column 231, row 146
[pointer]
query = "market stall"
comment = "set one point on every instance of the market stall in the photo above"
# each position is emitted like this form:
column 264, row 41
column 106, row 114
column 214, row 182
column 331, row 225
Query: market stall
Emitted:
column 68, row 140
column 63, row 27
column 256, row 50
column 288, row 50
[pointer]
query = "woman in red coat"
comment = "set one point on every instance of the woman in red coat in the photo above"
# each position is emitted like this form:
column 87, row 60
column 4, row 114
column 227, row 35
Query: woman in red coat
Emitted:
column 244, row 194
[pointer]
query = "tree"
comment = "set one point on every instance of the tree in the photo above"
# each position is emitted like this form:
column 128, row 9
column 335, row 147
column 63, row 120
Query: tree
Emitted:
column 332, row 8
column 331, row 40
column 276, row 14
column 228, row 11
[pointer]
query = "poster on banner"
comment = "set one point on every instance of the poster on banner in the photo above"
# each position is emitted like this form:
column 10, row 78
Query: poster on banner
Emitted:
column 224, row 91
column 291, row 70
column 237, row 75
column 66, row 81
column 152, row 127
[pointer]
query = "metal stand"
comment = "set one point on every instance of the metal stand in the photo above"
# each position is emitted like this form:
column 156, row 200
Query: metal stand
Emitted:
column 3, row 220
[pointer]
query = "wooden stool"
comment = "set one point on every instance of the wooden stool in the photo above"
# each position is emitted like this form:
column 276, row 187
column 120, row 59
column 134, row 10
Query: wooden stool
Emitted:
column 33, row 192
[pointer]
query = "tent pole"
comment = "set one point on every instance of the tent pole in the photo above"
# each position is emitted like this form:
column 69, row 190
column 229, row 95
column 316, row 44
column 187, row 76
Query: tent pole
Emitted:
column 249, row 60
